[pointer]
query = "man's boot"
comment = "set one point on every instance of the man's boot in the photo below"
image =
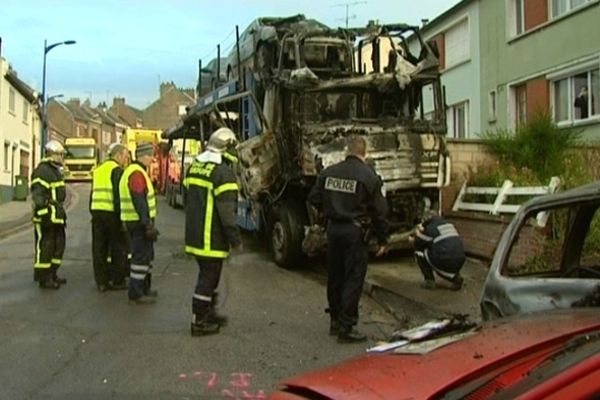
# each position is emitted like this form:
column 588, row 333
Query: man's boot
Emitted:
column 350, row 335
column 202, row 326
column 334, row 327
column 213, row 314
column 457, row 282
column 58, row 279
column 49, row 283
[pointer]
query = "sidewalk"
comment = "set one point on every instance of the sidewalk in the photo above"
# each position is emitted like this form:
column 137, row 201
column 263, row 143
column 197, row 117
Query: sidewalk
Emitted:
column 395, row 284
column 14, row 216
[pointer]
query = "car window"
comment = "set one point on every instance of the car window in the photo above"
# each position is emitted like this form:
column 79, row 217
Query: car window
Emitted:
column 557, row 242
column 537, row 248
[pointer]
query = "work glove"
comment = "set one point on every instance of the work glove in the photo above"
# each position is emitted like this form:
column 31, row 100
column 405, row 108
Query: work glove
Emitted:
column 151, row 233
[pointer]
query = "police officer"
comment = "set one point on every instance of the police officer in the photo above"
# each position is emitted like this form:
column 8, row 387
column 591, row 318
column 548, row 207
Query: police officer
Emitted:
column 49, row 217
column 210, row 225
column 138, row 212
column 107, row 243
column 349, row 194
column 438, row 248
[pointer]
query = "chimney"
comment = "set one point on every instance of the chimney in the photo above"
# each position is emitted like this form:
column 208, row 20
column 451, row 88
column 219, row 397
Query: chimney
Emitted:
column 424, row 22
column 74, row 102
column 118, row 101
column 166, row 87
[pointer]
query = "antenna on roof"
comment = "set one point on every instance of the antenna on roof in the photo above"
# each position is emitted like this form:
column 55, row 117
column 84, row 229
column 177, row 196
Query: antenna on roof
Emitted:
column 348, row 5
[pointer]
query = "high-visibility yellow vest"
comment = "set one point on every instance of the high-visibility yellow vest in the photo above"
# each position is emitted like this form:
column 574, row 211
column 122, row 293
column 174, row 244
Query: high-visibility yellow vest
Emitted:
column 102, row 188
column 128, row 212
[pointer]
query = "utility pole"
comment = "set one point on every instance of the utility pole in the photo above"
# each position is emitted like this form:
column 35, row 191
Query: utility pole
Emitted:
column 347, row 5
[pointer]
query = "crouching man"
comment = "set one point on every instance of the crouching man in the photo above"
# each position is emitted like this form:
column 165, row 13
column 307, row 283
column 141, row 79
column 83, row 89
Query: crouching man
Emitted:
column 438, row 248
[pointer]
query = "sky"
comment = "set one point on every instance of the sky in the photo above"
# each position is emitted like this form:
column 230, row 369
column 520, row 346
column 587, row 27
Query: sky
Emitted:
column 126, row 48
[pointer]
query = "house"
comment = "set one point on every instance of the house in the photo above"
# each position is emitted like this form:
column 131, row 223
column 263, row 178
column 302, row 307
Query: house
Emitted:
column 540, row 55
column 168, row 109
column 19, row 130
column 131, row 116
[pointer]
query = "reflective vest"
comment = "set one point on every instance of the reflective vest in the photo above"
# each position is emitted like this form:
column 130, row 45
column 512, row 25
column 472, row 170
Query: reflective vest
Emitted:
column 128, row 212
column 205, row 236
column 102, row 188
column 51, row 180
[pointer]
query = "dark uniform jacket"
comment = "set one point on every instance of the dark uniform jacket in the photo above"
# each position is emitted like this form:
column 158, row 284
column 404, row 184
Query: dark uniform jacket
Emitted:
column 442, row 243
column 211, row 209
column 350, row 191
column 48, row 193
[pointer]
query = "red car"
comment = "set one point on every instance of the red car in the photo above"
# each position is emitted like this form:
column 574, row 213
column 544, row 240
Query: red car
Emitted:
column 550, row 355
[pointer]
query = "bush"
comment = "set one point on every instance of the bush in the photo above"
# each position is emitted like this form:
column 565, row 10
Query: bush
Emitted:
column 538, row 145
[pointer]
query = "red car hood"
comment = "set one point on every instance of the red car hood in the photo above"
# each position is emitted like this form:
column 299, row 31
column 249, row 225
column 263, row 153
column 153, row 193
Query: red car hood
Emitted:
column 398, row 376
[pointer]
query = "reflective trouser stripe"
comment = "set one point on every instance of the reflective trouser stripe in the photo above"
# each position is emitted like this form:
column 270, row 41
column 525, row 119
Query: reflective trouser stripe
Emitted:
column 38, row 248
column 202, row 298
column 139, row 271
column 56, row 261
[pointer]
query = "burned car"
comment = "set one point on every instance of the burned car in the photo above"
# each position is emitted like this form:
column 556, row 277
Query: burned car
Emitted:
column 548, row 256
column 554, row 355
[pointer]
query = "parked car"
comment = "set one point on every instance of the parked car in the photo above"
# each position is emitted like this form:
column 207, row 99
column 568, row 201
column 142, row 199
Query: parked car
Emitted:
column 553, row 355
column 548, row 256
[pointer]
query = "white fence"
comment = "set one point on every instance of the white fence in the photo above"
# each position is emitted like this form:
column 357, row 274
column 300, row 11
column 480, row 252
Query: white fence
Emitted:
column 501, row 193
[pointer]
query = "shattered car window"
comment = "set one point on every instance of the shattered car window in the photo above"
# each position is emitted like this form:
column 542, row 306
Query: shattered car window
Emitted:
column 557, row 242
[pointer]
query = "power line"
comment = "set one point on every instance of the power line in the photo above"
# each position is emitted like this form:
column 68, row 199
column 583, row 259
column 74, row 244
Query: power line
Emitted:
column 347, row 5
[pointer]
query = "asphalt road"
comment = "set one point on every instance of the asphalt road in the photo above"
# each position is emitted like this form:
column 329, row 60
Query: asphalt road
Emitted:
column 77, row 343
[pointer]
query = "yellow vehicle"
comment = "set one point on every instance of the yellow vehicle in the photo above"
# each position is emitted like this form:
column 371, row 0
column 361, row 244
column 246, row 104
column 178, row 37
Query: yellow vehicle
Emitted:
column 80, row 159
column 132, row 137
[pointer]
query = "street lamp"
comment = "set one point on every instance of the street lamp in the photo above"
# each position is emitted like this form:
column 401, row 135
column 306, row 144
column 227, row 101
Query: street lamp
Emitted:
column 47, row 48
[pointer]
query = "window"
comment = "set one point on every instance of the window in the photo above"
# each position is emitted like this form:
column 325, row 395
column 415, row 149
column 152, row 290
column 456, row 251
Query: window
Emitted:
column 25, row 111
column 458, row 120
column 575, row 96
column 519, row 16
column 492, row 106
column 11, row 101
column 182, row 109
column 456, row 44
column 560, row 7
column 7, row 153
column 521, row 103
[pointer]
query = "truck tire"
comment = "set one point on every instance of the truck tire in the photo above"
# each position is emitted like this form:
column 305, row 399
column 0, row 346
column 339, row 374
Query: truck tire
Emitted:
column 286, row 232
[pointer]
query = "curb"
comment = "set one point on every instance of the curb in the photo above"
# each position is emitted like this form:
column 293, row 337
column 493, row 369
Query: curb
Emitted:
column 25, row 222
column 395, row 303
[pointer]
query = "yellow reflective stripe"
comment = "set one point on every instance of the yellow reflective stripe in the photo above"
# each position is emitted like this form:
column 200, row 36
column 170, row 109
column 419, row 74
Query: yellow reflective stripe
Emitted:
column 41, row 182
column 198, row 182
column 206, row 252
column 225, row 187
column 56, row 261
column 41, row 211
column 38, row 251
column 57, row 184
column 53, row 217
column 230, row 157
column 208, row 218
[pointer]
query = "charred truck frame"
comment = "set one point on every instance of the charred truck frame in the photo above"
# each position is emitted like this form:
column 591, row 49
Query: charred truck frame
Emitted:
column 301, row 95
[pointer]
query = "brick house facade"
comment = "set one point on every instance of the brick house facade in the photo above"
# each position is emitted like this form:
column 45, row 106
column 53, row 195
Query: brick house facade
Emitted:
column 168, row 109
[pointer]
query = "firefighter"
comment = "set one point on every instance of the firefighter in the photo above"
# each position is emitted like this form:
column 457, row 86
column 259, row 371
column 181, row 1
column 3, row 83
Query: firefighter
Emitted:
column 210, row 225
column 138, row 213
column 349, row 195
column 439, row 248
column 109, row 251
column 49, row 217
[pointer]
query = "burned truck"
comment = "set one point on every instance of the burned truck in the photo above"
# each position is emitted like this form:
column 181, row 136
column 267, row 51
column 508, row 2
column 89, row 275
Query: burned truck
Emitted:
column 294, row 120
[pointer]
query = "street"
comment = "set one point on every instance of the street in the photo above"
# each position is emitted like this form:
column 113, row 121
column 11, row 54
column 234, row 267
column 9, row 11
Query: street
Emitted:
column 78, row 343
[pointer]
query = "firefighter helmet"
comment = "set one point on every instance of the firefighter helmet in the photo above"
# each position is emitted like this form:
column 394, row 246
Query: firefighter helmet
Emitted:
column 54, row 147
column 221, row 140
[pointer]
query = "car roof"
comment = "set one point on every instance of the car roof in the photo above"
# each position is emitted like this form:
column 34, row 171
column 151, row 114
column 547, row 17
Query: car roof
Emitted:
column 392, row 376
column 585, row 192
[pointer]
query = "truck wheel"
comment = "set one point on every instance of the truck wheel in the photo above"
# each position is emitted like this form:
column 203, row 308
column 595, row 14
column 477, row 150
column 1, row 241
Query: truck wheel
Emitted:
column 286, row 233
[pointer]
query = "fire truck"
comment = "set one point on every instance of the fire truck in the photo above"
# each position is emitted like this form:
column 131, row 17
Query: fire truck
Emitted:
column 296, row 99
